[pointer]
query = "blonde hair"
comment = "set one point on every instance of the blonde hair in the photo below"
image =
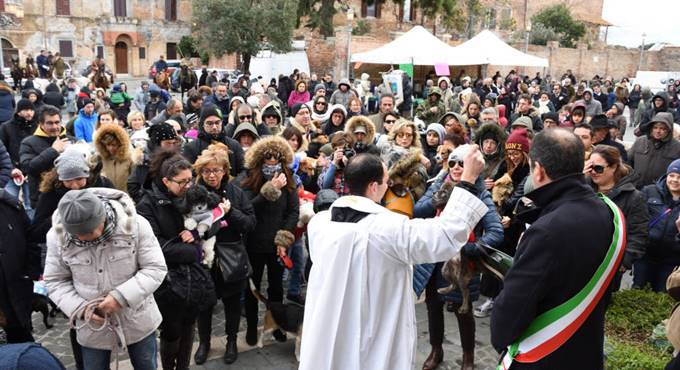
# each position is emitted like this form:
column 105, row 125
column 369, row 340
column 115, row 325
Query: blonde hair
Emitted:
column 216, row 153
column 402, row 124
column 134, row 114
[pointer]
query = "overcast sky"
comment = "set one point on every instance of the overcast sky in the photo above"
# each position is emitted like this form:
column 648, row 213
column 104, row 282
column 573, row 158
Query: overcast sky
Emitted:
column 658, row 19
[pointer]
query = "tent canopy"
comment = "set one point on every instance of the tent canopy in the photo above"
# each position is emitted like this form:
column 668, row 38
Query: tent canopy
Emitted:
column 487, row 48
column 417, row 46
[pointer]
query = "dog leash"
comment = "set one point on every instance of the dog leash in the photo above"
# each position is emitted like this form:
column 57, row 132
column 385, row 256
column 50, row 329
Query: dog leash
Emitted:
column 111, row 323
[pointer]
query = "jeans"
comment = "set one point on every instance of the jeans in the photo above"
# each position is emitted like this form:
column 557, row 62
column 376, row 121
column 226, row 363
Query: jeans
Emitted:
column 142, row 355
column 652, row 273
column 296, row 277
column 13, row 190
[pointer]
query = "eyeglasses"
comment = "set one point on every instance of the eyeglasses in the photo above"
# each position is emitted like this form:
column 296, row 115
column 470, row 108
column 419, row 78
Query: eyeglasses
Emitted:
column 245, row 118
column 212, row 123
column 214, row 171
column 183, row 183
column 598, row 168
column 390, row 121
column 453, row 163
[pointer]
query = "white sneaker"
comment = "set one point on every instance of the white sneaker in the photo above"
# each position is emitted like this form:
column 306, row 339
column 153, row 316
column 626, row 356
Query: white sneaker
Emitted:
column 484, row 310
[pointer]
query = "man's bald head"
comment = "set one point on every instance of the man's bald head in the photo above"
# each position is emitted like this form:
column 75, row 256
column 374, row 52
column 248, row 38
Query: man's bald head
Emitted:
column 559, row 152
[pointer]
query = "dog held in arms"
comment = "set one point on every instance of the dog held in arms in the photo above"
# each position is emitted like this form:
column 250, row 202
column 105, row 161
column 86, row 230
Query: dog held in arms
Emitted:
column 285, row 316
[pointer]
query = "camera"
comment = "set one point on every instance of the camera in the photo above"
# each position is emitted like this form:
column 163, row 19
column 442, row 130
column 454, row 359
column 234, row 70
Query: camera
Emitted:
column 349, row 152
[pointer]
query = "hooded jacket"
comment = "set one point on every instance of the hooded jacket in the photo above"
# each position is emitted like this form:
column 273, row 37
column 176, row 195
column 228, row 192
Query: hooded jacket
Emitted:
column 328, row 127
column 424, row 109
column 53, row 96
column 491, row 161
column 273, row 107
column 129, row 265
column 7, row 103
column 119, row 167
column 651, row 157
column 83, row 126
column 340, row 97
column 650, row 112
column 531, row 113
column 38, row 104
column 357, row 121
column 37, row 156
column 13, row 132
column 663, row 246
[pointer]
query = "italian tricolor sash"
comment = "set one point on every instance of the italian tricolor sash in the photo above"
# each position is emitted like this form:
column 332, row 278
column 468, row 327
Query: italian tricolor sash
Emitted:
column 554, row 327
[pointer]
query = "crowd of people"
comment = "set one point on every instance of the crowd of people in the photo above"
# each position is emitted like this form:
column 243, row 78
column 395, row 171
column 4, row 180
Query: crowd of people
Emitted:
column 109, row 180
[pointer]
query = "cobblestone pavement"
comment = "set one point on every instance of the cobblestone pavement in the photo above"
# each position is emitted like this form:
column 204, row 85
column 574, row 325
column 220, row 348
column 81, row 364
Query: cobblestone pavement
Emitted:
column 281, row 356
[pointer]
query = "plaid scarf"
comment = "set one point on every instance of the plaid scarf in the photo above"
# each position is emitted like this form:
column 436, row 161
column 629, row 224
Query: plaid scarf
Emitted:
column 109, row 227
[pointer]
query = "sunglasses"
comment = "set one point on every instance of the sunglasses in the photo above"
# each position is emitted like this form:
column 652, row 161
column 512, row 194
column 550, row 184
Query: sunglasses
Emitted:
column 245, row 118
column 453, row 163
column 275, row 156
column 390, row 121
column 598, row 168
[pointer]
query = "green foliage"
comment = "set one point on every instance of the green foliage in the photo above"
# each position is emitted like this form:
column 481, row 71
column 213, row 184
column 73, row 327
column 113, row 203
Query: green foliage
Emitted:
column 559, row 19
column 631, row 319
column 361, row 28
column 187, row 47
column 244, row 26
column 539, row 35
column 507, row 24
column 320, row 13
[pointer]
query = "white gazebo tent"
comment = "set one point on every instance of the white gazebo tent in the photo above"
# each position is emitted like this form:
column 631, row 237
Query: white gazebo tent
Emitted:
column 487, row 48
column 418, row 47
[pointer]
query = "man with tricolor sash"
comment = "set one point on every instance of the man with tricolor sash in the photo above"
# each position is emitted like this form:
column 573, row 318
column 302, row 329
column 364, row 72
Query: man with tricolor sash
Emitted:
column 550, row 313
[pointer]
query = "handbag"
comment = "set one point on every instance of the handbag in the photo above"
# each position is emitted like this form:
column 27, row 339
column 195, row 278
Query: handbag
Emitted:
column 232, row 261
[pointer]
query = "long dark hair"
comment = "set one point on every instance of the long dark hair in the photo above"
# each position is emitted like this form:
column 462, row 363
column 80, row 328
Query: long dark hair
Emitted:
column 612, row 156
column 255, row 179
column 167, row 163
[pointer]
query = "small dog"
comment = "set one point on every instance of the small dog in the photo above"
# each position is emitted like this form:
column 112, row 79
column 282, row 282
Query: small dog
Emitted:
column 502, row 190
column 42, row 304
column 458, row 271
column 443, row 152
column 198, row 215
column 285, row 316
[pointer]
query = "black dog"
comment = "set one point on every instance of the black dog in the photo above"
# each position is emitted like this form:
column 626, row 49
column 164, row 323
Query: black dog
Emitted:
column 42, row 304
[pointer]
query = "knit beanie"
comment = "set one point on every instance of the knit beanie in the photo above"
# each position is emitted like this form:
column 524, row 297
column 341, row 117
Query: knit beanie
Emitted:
column 160, row 132
column 552, row 116
column 24, row 104
column 296, row 108
column 518, row 140
column 71, row 165
column 319, row 87
column 459, row 153
column 599, row 121
column 438, row 129
column 525, row 122
column 87, row 101
column 674, row 167
column 81, row 211
column 209, row 110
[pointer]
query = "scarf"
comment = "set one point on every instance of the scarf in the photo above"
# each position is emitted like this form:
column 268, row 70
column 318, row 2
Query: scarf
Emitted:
column 269, row 170
column 110, row 222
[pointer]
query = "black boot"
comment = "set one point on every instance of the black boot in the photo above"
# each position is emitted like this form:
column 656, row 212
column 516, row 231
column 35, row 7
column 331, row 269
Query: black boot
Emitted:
column 231, row 354
column 466, row 326
column 186, row 344
column 251, row 335
column 169, row 353
column 204, row 331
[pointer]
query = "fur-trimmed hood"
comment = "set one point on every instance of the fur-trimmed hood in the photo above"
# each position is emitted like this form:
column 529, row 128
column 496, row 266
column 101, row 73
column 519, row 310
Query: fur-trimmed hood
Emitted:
column 124, row 153
column 256, row 154
column 122, row 204
column 356, row 121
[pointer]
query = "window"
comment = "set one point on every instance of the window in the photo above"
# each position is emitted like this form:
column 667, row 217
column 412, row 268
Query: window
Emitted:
column 2, row 5
column 66, row 48
column 120, row 8
column 407, row 12
column 490, row 19
column 170, row 10
column 171, row 50
column 63, row 7
column 371, row 8
column 142, row 53
column 100, row 51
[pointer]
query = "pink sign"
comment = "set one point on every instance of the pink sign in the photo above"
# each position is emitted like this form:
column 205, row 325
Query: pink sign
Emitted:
column 441, row 69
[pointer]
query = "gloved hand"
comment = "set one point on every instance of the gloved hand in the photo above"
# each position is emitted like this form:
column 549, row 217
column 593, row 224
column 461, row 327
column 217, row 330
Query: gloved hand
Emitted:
column 470, row 250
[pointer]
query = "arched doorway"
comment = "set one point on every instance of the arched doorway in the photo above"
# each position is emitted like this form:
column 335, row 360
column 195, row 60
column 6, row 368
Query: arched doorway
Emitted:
column 7, row 53
column 121, row 54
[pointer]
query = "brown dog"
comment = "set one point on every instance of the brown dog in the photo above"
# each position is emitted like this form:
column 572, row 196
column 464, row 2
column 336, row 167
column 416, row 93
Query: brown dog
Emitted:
column 285, row 316
column 502, row 190
column 443, row 152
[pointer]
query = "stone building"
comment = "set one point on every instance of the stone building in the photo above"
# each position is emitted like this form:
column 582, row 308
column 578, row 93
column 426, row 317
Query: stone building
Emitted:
column 129, row 34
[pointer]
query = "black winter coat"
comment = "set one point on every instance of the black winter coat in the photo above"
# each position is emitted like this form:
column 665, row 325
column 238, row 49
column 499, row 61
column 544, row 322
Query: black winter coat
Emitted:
column 571, row 230
column 37, row 156
column 192, row 150
column 222, row 104
column 281, row 214
column 19, row 262
column 633, row 204
column 53, row 96
column 5, row 166
column 240, row 221
column 663, row 243
column 7, row 104
column 13, row 132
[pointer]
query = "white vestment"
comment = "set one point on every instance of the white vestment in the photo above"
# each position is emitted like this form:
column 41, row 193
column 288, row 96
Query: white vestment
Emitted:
column 360, row 311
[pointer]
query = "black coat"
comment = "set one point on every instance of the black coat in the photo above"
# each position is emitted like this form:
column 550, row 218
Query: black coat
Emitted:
column 663, row 244
column 13, row 132
column 192, row 150
column 633, row 204
column 281, row 214
column 5, row 166
column 37, row 156
column 53, row 96
column 570, row 234
column 240, row 221
column 19, row 262
column 222, row 104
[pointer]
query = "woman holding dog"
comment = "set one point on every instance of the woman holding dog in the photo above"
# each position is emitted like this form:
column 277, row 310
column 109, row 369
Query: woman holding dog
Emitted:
column 270, row 187
column 428, row 277
column 188, row 288
column 615, row 179
column 230, row 269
